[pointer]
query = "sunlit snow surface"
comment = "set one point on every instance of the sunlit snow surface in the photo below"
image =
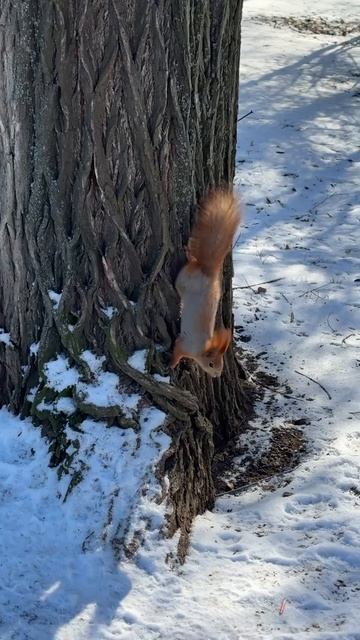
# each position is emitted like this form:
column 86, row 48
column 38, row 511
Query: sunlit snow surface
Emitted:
column 260, row 553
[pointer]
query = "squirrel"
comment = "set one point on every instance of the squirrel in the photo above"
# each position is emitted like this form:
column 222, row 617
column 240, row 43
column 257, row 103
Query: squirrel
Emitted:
column 199, row 283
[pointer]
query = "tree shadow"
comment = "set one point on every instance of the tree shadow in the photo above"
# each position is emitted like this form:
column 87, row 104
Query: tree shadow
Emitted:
column 89, row 587
column 301, row 142
column 57, row 564
column 299, row 133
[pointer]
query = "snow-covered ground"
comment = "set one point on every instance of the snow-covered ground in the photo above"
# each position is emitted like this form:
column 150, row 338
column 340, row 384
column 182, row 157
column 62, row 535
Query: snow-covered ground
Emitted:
column 265, row 564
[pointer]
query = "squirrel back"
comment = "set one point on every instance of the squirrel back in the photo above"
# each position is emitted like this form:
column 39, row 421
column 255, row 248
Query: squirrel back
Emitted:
column 212, row 235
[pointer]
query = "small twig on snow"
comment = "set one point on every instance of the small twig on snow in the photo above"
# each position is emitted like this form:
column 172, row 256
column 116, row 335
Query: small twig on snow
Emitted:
column 329, row 325
column 245, row 116
column 249, row 485
column 256, row 382
column 349, row 336
column 313, row 209
column 257, row 284
column 286, row 299
column 316, row 382
column 314, row 289
column 256, row 483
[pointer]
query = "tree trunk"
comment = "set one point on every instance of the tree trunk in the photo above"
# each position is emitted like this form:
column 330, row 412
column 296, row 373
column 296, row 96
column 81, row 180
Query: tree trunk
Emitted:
column 115, row 117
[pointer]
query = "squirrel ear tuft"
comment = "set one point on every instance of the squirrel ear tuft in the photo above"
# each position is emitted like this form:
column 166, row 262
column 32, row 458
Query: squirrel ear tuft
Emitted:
column 220, row 341
column 224, row 337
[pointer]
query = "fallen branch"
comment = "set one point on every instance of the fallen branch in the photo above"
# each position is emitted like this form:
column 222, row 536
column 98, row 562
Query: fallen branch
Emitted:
column 257, row 284
column 316, row 382
column 255, row 382
column 313, row 209
column 329, row 325
column 314, row 289
column 256, row 483
column 245, row 116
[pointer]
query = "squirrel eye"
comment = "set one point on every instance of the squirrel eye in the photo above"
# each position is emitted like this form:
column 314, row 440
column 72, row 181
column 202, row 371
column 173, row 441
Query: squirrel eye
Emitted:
column 211, row 365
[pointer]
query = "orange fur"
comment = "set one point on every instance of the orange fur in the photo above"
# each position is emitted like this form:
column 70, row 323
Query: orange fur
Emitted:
column 219, row 342
column 199, row 283
column 212, row 235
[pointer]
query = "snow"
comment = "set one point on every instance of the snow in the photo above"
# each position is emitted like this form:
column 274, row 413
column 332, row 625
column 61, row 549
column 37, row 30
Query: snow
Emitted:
column 34, row 348
column 160, row 378
column 62, row 405
column 5, row 338
column 94, row 362
column 110, row 312
column 343, row 9
column 32, row 394
column 138, row 360
column 60, row 374
column 105, row 389
column 105, row 392
column 102, row 392
column 59, row 577
column 280, row 559
column 55, row 298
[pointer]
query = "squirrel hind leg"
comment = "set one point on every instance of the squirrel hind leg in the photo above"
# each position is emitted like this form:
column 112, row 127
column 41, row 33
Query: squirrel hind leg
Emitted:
column 177, row 354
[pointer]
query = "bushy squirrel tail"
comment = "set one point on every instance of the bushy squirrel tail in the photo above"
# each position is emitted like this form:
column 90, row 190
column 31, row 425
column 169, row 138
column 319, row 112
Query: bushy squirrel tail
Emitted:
column 212, row 236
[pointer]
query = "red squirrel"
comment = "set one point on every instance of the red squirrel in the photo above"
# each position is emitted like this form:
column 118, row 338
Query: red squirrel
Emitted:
column 199, row 283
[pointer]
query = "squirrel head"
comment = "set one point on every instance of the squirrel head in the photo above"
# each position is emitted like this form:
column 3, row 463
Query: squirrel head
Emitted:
column 211, row 359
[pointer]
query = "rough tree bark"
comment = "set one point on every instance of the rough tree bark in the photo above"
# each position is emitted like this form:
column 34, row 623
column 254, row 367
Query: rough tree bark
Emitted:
column 116, row 115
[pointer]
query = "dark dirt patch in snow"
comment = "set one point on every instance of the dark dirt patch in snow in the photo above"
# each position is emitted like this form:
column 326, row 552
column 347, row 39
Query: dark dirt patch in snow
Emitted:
column 316, row 25
column 262, row 458
column 283, row 454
